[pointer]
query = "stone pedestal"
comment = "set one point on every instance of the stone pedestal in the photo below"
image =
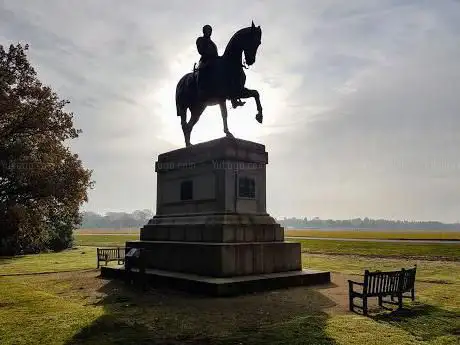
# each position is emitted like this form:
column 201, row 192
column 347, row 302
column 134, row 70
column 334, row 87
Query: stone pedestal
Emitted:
column 211, row 225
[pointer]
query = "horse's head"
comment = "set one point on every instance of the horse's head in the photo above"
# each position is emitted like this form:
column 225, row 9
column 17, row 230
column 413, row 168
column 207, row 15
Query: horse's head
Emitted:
column 251, row 43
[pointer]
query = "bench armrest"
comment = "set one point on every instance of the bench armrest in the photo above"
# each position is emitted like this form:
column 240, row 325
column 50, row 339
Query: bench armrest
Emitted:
column 352, row 282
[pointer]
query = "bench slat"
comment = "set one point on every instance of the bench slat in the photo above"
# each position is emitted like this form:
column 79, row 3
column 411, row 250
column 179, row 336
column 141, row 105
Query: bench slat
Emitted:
column 386, row 283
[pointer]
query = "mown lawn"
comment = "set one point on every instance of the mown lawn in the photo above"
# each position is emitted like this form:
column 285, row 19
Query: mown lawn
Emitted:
column 69, row 260
column 384, row 249
column 104, row 240
column 321, row 233
column 428, row 271
column 101, row 231
column 378, row 234
column 31, row 314
column 78, row 307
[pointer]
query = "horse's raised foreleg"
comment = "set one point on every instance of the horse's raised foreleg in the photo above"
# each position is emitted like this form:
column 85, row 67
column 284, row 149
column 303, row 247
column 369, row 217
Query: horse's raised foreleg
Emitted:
column 248, row 93
column 223, row 111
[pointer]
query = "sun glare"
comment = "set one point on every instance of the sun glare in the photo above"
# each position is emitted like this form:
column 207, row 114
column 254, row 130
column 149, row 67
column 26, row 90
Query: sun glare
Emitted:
column 241, row 121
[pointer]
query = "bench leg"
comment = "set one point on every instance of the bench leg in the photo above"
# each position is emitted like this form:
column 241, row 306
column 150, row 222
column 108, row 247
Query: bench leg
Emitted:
column 365, row 306
column 412, row 294
column 350, row 301
column 400, row 301
column 380, row 301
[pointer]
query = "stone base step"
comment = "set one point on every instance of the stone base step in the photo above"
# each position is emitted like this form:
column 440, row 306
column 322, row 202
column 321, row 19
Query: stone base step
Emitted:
column 211, row 286
column 220, row 259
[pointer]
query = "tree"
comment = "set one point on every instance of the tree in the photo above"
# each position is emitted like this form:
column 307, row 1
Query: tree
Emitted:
column 42, row 183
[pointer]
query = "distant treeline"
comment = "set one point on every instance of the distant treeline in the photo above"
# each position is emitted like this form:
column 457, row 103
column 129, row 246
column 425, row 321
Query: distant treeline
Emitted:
column 116, row 220
column 365, row 223
column 139, row 218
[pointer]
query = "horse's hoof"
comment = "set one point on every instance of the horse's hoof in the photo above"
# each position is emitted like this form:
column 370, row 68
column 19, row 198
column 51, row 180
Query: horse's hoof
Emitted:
column 259, row 117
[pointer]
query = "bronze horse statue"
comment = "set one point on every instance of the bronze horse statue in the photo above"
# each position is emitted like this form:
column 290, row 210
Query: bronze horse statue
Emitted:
column 225, row 80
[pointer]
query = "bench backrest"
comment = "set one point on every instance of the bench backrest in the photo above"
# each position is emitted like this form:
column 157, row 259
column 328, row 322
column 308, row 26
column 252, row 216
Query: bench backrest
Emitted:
column 378, row 283
column 110, row 253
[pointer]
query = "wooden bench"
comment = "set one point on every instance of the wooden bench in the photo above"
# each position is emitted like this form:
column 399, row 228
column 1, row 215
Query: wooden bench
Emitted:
column 381, row 284
column 110, row 254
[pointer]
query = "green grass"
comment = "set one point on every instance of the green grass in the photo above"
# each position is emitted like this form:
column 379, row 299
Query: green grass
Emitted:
column 378, row 234
column 80, row 308
column 383, row 249
column 106, row 240
column 421, row 324
column 30, row 315
column 443, row 272
column 414, row 250
column 107, row 231
column 68, row 260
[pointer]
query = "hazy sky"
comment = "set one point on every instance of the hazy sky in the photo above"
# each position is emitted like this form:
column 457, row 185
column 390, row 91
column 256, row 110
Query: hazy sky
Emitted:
column 361, row 98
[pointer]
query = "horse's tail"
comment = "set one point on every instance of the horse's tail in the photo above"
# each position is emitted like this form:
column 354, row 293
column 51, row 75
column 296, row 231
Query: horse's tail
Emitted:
column 183, row 94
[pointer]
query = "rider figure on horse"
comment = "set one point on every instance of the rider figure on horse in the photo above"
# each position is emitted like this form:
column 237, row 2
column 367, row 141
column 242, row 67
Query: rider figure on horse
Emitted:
column 208, row 51
column 206, row 47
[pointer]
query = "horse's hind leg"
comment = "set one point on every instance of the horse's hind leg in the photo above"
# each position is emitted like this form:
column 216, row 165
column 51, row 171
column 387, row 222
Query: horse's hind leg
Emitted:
column 248, row 93
column 182, row 112
column 195, row 112
column 223, row 111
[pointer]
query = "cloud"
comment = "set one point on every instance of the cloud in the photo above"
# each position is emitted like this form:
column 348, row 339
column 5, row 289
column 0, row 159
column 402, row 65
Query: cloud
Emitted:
column 387, row 147
column 360, row 99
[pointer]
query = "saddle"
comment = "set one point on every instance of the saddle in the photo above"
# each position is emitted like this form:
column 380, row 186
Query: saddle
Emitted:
column 213, row 80
column 206, row 75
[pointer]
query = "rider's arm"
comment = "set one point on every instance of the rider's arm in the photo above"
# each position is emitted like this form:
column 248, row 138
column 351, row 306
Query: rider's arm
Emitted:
column 200, row 46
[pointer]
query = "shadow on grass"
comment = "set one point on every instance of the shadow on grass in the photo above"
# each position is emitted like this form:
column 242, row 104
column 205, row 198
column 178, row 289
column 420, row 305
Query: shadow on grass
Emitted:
column 160, row 316
column 8, row 260
column 424, row 321
column 4, row 260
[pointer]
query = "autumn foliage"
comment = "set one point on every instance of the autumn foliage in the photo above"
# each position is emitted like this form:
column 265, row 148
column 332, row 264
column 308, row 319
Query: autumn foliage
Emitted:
column 42, row 183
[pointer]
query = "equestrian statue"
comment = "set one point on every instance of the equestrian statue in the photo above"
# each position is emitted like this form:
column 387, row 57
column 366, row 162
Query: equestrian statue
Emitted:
column 218, row 78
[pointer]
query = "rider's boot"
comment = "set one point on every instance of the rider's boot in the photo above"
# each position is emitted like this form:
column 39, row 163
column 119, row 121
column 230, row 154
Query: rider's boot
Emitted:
column 237, row 102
